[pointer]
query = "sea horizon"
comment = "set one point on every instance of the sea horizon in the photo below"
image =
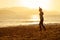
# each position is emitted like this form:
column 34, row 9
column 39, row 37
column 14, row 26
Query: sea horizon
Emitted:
column 6, row 23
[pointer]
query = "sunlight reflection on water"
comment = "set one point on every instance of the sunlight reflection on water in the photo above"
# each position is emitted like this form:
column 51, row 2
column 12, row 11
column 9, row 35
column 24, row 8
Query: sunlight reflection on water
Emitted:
column 6, row 24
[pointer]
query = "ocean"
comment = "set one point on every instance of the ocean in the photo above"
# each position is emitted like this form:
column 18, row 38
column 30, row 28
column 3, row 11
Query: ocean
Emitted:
column 14, row 22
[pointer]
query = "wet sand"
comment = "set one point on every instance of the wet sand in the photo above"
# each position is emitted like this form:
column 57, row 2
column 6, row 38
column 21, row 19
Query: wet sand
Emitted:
column 30, row 32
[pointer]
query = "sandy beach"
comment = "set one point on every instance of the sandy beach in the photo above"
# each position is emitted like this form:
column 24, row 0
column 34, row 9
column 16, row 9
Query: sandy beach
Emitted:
column 30, row 32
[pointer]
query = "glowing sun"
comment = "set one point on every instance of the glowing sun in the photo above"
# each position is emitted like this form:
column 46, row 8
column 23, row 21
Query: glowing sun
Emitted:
column 45, row 4
column 35, row 17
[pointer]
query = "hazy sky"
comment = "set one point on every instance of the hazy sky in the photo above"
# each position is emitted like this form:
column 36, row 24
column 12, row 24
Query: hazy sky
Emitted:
column 28, row 9
column 45, row 4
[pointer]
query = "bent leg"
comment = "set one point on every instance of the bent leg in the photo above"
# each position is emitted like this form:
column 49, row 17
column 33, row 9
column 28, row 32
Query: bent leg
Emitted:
column 43, row 27
column 40, row 25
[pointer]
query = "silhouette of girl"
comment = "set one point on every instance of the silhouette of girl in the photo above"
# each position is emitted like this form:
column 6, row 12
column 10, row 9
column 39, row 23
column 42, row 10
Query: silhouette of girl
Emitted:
column 41, row 19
